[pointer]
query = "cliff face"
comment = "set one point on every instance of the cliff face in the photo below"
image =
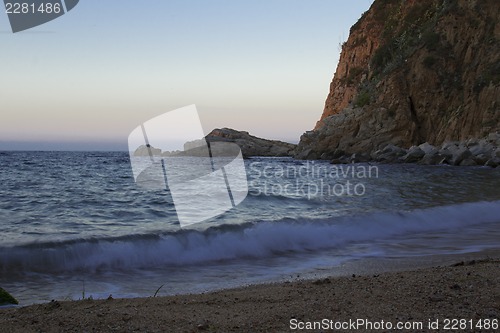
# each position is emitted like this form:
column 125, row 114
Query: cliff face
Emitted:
column 410, row 72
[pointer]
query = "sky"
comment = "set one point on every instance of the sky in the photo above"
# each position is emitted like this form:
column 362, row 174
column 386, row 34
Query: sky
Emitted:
column 85, row 80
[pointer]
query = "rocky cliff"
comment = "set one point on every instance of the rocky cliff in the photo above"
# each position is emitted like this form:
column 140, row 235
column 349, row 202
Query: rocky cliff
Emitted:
column 412, row 71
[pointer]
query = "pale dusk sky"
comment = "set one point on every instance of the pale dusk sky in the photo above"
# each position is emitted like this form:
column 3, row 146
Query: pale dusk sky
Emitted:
column 88, row 78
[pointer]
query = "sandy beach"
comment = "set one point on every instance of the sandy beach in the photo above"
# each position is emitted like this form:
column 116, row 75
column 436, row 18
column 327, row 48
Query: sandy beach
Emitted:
column 465, row 290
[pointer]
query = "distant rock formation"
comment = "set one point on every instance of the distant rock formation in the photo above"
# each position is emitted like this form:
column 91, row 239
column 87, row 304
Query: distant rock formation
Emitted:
column 412, row 72
column 250, row 146
column 146, row 151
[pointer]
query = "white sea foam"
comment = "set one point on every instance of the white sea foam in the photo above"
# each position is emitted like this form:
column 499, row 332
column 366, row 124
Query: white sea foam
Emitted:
column 251, row 240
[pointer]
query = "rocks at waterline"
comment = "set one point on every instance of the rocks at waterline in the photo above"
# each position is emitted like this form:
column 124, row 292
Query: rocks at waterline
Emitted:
column 414, row 154
column 473, row 152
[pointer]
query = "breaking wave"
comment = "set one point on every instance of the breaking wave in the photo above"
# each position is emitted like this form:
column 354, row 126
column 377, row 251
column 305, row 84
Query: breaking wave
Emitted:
column 231, row 242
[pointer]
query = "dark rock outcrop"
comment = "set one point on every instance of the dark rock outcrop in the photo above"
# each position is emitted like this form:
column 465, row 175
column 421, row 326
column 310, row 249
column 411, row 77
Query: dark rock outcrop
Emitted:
column 251, row 145
column 412, row 72
column 6, row 298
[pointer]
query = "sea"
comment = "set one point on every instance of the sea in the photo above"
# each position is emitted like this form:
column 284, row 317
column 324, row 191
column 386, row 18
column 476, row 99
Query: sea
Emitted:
column 76, row 225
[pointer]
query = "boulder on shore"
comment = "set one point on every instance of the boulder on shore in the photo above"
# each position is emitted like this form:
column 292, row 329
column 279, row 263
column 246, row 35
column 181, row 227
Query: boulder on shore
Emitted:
column 414, row 155
column 6, row 298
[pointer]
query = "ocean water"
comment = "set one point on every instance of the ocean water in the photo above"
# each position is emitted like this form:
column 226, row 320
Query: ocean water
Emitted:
column 75, row 224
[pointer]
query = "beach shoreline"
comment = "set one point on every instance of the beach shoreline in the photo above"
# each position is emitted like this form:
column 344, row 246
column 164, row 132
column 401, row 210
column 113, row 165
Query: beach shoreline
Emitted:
column 462, row 287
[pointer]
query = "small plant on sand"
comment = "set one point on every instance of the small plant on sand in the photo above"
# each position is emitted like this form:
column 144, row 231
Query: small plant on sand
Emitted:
column 83, row 289
column 90, row 298
column 157, row 290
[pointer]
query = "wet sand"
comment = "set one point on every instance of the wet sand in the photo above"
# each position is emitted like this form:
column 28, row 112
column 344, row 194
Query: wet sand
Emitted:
column 467, row 290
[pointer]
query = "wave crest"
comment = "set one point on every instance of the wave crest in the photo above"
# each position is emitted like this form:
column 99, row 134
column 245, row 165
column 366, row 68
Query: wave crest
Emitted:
column 228, row 242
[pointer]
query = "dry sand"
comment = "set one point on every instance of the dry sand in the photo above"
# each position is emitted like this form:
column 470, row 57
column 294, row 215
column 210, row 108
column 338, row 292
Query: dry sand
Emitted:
column 466, row 290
